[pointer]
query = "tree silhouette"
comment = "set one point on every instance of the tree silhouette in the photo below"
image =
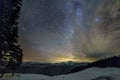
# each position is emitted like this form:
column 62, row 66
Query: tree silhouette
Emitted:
column 15, row 50
column 113, row 61
column 10, row 51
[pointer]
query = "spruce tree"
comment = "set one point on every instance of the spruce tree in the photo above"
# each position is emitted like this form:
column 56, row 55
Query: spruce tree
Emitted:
column 10, row 51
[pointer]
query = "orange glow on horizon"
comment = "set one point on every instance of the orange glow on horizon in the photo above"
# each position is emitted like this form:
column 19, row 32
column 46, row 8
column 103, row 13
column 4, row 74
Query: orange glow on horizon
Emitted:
column 73, row 60
column 63, row 59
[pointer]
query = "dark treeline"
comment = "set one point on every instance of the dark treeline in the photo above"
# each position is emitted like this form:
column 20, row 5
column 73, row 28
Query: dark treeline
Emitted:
column 50, row 69
column 113, row 61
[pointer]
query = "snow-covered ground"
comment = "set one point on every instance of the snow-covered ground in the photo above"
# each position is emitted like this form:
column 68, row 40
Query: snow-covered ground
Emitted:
column 88, row 74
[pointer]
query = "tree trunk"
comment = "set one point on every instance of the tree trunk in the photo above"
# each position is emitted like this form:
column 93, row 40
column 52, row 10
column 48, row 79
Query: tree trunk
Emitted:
column 13, row 70
column 4, row 70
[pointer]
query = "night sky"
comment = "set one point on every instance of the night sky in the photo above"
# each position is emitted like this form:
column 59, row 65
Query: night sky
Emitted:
column 69, row 30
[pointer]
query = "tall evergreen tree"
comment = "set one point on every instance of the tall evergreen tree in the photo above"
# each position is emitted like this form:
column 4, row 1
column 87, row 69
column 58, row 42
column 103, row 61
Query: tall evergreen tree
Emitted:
column 10, row 51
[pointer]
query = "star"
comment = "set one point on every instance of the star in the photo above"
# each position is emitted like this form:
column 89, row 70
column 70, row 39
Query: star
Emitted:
column 97, row 19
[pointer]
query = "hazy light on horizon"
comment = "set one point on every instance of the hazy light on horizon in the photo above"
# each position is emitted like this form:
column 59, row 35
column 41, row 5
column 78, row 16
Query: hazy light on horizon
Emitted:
column 69, row 30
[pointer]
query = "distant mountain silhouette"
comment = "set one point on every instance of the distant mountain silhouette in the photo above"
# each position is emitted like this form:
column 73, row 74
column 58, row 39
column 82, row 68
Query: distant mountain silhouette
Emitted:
column 107, row 62
column 50, row 69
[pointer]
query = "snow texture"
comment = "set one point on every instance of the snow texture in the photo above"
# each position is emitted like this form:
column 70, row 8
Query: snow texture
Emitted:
column 88, row 74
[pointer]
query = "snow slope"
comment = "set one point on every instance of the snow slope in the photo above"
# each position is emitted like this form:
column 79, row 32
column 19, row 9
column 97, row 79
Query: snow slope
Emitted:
column 88, row 74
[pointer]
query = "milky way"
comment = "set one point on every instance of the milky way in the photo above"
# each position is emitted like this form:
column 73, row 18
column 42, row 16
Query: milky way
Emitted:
column 69, row 30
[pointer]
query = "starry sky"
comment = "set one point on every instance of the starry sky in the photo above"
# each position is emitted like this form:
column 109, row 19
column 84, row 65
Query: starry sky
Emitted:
column 69, row 30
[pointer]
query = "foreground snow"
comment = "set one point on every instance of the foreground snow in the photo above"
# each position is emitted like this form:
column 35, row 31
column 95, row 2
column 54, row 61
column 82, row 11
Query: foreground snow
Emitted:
column 88, row 74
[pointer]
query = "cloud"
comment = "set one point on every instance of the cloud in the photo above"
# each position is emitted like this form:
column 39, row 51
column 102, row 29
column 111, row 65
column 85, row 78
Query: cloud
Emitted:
column 84, row 29
column 98, row 39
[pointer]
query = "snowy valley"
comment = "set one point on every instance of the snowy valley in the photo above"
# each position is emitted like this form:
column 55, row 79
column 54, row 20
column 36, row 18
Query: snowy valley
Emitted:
column 93, row 73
